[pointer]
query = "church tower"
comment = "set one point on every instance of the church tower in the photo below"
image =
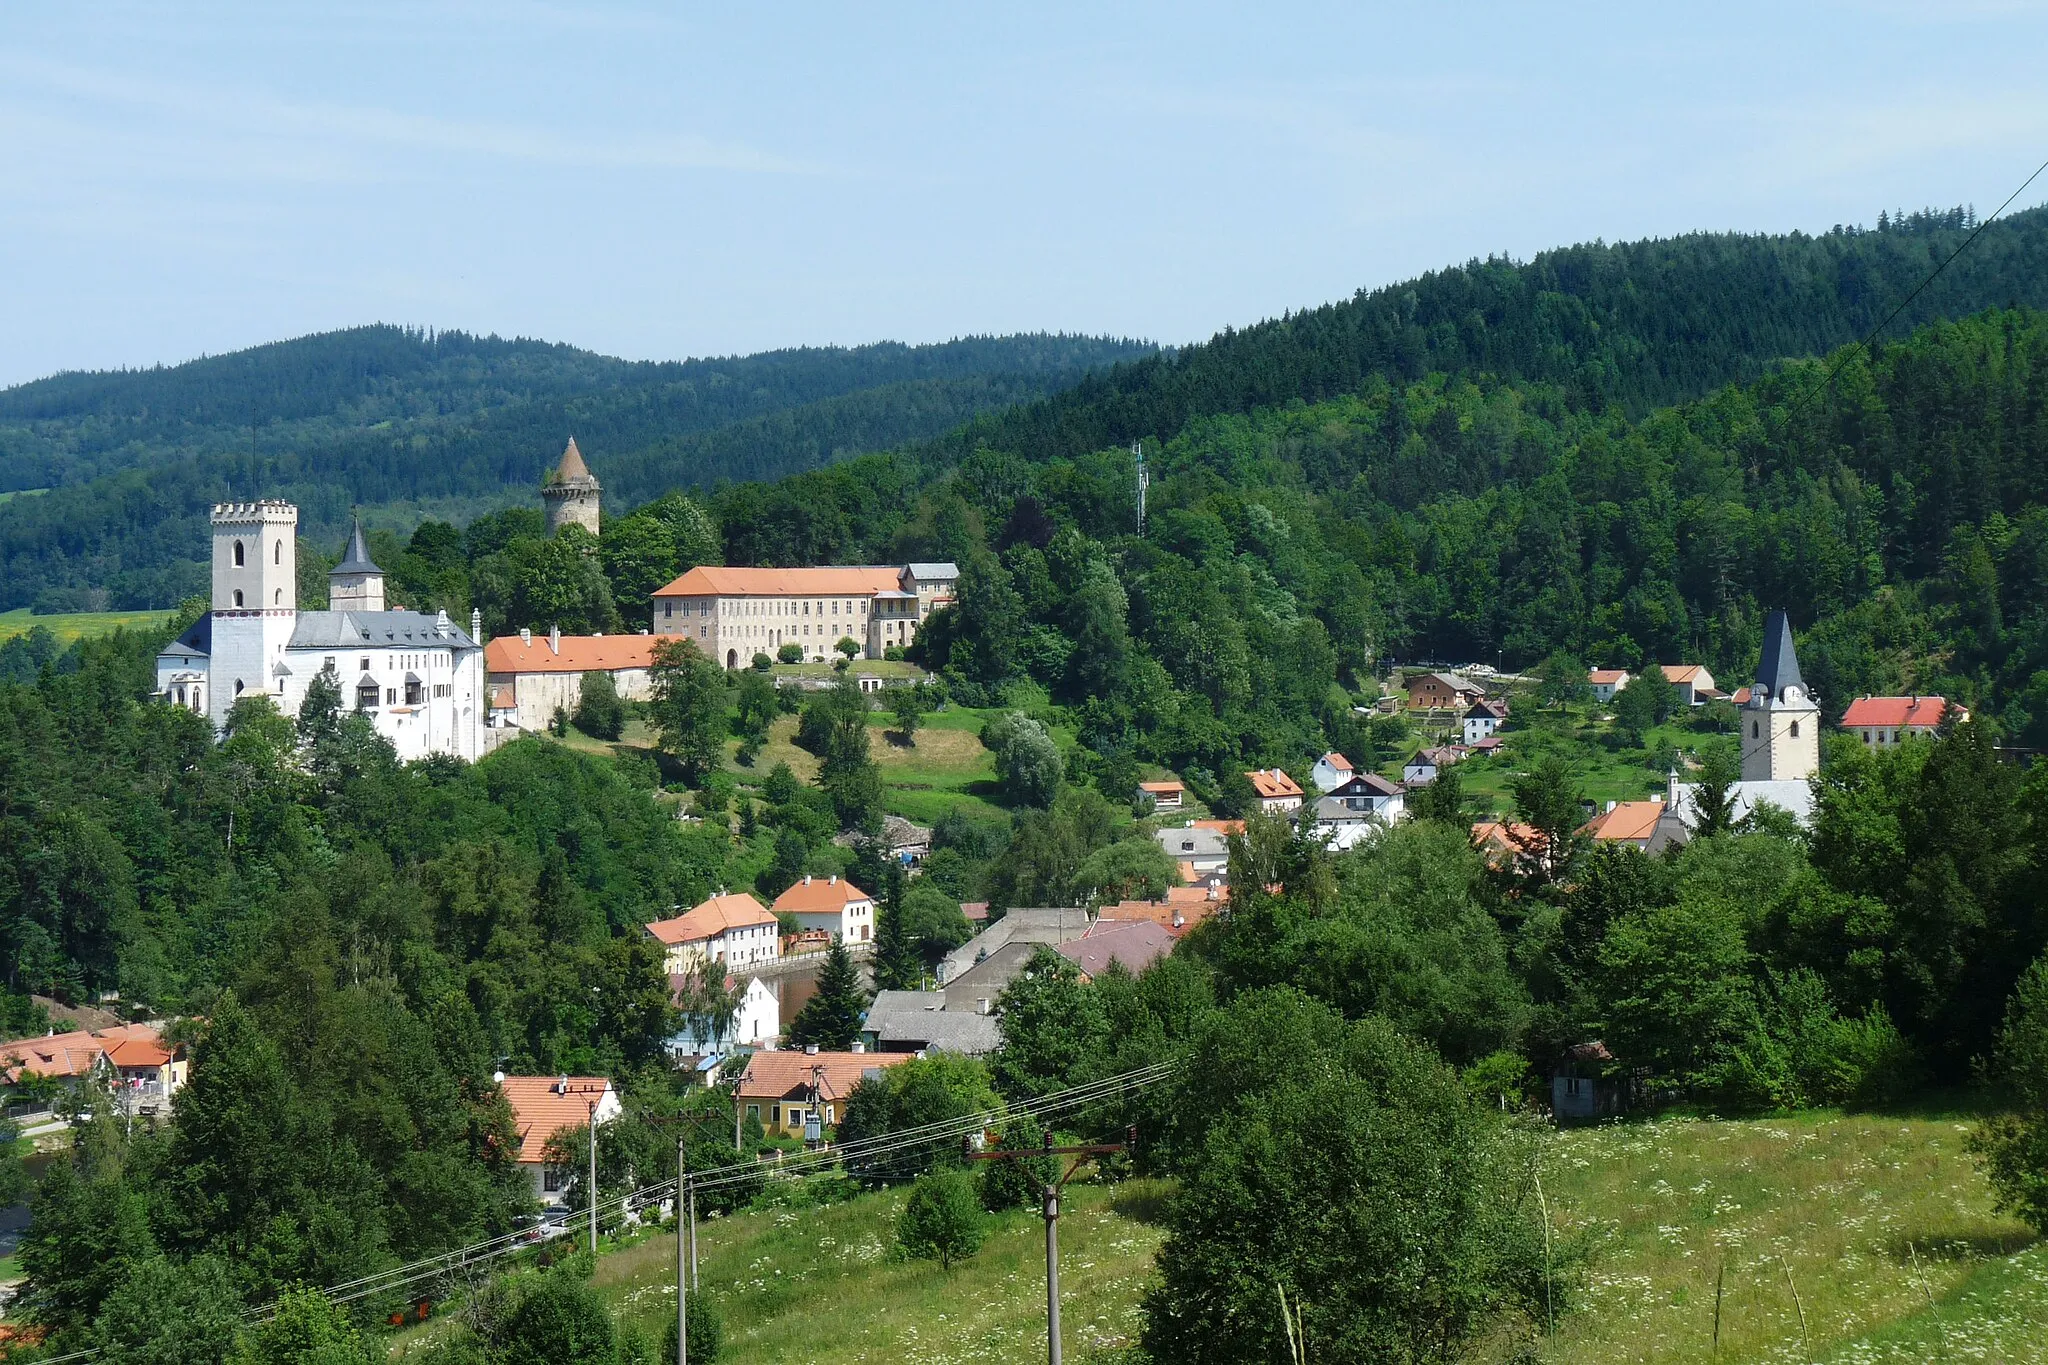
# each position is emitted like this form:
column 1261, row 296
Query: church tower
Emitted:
column 572, row 493
column 255, row 599
column 355, row 584
column 1780, row 723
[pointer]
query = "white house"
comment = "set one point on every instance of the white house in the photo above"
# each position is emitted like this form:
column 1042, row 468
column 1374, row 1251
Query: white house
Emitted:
column 1421, row 770
column 1605, row 682
column 734, row 931
column 418, row 678
column 1693, row 684
column 832, row 904
column 1332, row 771
column 1203, row 845
column 1368, row 796
column 545, row 1105
column 1881, row 722
column 757, row 1023
column 1278, row 793
column 1483, row 719
column 543, row 672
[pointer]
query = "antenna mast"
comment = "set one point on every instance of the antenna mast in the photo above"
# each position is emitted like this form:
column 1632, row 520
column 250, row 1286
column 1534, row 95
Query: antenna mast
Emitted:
column 1144, row 482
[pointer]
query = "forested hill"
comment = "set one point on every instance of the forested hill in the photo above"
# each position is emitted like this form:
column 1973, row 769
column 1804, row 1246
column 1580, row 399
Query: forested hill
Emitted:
column 387, row 416
column 1642, row 324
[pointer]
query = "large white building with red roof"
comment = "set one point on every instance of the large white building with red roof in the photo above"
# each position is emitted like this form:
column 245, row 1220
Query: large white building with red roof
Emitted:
column 733, row 930
column 735, row 613
column 530, row 675
column 1881, row 722
column 832, row 905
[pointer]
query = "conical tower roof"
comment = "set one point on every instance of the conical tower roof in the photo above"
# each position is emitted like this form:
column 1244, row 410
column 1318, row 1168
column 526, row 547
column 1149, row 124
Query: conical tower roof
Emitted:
column 1779, row 667
column 572, row 469
column 356, row 558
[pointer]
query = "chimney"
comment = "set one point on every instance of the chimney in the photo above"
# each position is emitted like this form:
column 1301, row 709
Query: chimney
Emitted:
column 555, row 638
column 810, row 1049
column 476, row 624
column 807, row 879
column 1178, row 920
column 859, row 1046
column 526, row 636
column 833, row 880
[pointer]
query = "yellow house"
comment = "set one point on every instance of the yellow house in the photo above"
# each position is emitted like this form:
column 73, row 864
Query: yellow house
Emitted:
column 780, row 1090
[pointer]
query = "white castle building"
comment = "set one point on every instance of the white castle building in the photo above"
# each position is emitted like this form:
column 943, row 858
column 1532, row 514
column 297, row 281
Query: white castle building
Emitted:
column 418, row 678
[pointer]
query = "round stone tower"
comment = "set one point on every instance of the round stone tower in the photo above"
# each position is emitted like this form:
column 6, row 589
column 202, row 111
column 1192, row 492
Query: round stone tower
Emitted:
column 572, row 493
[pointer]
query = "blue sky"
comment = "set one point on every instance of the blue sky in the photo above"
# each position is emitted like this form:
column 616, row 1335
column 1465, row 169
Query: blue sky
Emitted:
column 662, row 180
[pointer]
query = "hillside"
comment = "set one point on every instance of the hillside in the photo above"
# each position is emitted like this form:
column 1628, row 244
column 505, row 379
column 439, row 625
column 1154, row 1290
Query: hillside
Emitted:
column 391, row 418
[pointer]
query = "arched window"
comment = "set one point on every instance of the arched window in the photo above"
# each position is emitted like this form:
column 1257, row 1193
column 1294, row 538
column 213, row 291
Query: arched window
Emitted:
column 238, row 687
column 1753, row 730
column 277, row 597
column 238, row 554
column 1795, row 729
column 238, row 591
column 277, row 553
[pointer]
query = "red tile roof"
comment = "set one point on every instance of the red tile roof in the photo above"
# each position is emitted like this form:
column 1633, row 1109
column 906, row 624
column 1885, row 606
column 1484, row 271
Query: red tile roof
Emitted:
column 1272, row 782
column 789, row 1072
column 1683, row 673
column 1896, row 713
column 1218, row 826
column 73, row 1054
column 1137, row 945
column 1190, row 905
column 818, row 895
column 1337, row 761
column 711, row 919
column 1161, row 788
column 1603, row 677
column 1628, row 822
column 539, row 1113
column 578, row 654
column 713, row 580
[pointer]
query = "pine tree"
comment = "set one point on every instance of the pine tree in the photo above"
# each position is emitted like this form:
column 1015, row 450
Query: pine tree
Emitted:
column 832, row 1019
column 897, row 967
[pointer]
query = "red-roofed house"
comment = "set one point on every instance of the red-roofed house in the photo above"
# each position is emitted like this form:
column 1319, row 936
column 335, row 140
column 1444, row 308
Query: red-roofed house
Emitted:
column 1691, row 682
column 1625, row 822
column 1136, row 945
column 1605, row 682
column 1278, row 793
column 544, row 672
column 734, row 930
column 543, row 1106
column 1165, row 795
column 832, row 905
column 1332, row 771
column 1881, row 722
column 131, row 1059
column 781, row 1089
column 1182, row 908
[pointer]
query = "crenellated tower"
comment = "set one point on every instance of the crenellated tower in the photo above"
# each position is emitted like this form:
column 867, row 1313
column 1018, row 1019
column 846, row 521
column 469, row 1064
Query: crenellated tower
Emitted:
column 572, row 493
column 255, row 599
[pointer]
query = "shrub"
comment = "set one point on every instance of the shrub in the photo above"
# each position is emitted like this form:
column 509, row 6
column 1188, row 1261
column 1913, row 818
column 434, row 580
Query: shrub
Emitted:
column 762, row 663
column 707, row 1332
column 943, row 1221
column 599, row 711
column 2014, row 1146
column 790, row 653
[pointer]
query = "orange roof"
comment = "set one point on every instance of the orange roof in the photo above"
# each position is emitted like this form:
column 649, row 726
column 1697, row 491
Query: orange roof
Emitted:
column 819, row 895
column 1628, row 822
column 1270, row 782
column 1161, row 788
column 1218, row 826
column 1189, row 904
column 1683, row 673
column 1337, row 761
column 1601, row 677
column 1898, row 713
column 73, row 1054
column 710, row 919
column 790, row 1072
column 504, row 696
column 1500, row 836
column 717, row 580
column 1740, row 696
column 579, row 653
column 539, row 1113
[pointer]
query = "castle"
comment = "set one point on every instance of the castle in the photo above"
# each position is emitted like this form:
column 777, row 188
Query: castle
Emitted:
column 418, row 678
column 572, row 493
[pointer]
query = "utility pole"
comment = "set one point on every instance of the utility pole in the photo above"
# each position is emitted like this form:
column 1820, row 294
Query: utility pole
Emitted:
column 1049, row 1208
column 683, row 1298
column 592, row 1094
column 695, row 1282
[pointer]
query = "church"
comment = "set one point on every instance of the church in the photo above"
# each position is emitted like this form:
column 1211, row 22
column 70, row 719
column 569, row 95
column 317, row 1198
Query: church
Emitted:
column 1780, row 745
column 418, row 678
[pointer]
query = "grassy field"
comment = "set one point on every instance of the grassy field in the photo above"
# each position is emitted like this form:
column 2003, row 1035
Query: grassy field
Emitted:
column 945, row 768
column 1882, row 1223
column 70, row 626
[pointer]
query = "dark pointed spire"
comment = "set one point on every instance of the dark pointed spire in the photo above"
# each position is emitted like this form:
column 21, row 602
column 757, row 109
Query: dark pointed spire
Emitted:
column 1779, row 668
column 356, row 558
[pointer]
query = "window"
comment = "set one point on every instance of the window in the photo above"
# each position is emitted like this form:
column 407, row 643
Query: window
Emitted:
column 363, row 664
column 391, row 696
column 327, row 662
column 277, row 597
column 238, row 597
column 1795, row 729
column 366, row 696
column 1753, row 730
column 754, row 1112
column 796, row 1116
column 277, row 554
column 552, row 1179
column 238, row 554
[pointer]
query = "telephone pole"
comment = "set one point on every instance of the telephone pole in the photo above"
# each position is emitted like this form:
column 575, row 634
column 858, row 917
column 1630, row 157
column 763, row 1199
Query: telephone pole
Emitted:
column 592, row 1094
column 682, row 1295
column 1049, row 1209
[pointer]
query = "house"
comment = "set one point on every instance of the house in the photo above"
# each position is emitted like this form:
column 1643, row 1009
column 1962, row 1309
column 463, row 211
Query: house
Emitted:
column 735, row 613
column 1693, row 684
column 1277, row 792
column 1203, row 845
column 783, row 1090
column 1442, row 692
column 1509, row 844
column 1483, row 719
column 1625, row 822
column 918, row 1021
column 1182, row 908
column 1421, row 770
column 546, row 672
column 1583, row 1086
column 1164, row 795
column 417, row 678
column 1605, row 682
column 543, row 1106
column 755, row 1024
column 132, row 1061
column 832, row 905
column 733, row 931
column 1367, row 796
column 1026, row 926
column 907, row 843
column 1881, row 722
column 1779, row 731
column 1332, row 770
column 1136, row 944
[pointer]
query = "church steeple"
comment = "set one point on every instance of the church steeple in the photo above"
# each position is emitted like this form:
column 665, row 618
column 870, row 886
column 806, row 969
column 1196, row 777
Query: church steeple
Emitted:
column 1781, row 723
column 355, row 584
